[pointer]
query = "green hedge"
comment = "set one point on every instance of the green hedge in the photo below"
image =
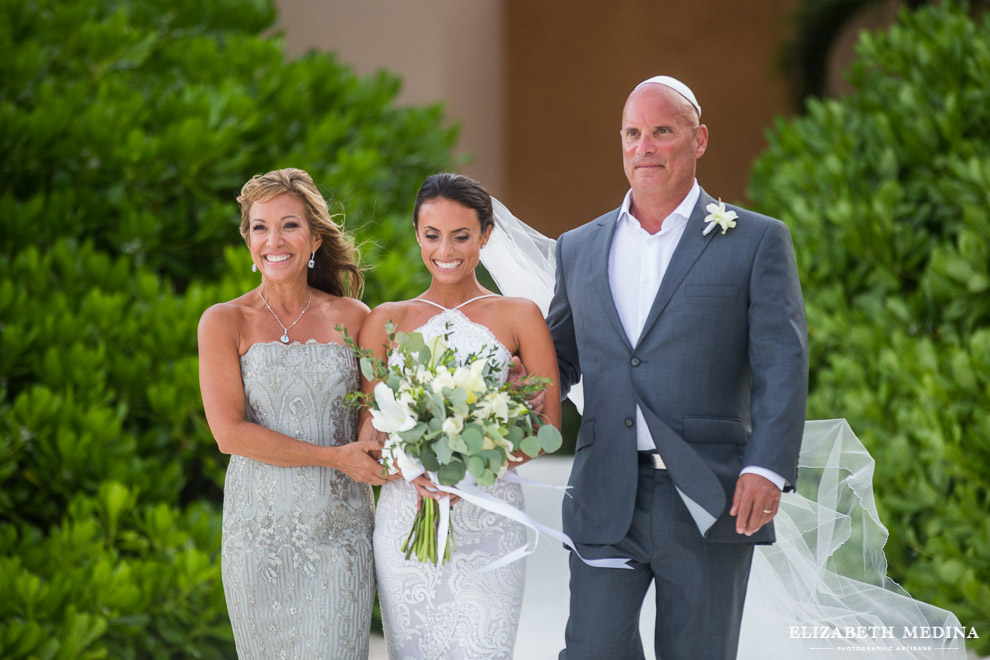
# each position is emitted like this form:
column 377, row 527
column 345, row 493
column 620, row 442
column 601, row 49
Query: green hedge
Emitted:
column 887, row 194
column 127, row 129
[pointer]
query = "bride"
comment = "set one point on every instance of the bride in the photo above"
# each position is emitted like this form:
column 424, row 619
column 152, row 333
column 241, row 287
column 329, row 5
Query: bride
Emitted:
column 454, row 610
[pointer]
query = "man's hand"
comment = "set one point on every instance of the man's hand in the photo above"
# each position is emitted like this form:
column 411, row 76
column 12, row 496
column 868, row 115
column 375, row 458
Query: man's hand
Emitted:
column 359, row 461
column 517, row 374
column 754, row 503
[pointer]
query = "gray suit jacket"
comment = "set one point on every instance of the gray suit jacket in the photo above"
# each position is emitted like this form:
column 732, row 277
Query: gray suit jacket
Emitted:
column 720, row 371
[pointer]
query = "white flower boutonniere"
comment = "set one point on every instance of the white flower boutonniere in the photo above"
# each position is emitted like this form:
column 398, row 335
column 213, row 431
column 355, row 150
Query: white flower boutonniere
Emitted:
column 717, row 215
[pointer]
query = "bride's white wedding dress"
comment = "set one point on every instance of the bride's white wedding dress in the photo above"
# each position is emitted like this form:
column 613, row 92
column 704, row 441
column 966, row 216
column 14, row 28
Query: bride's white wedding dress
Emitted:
column 451, row 611
column 822, row 589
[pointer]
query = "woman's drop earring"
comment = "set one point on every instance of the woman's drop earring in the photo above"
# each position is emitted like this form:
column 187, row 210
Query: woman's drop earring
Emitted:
column 312, row 260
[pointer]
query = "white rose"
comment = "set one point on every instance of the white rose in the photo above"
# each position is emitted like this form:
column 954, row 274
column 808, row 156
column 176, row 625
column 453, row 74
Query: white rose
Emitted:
column 453, row 425
column 443, row 379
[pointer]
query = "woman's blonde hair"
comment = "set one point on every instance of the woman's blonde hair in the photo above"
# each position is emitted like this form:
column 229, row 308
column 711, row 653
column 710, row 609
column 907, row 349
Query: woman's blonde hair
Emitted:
column 336, row 271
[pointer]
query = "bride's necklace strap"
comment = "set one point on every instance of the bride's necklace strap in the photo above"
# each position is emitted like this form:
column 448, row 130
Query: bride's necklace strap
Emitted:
column 466, row 302
column 285, row 330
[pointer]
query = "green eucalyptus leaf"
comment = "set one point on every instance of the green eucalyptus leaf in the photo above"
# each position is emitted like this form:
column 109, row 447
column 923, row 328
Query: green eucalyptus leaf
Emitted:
column 474, row 438
column 531, row 446
column 367, row 368
column 475, row 466
column 487, row 478
column 550, row 438
column 452, row 473
column 443, row 451
column 457, row 444
column 429, row 459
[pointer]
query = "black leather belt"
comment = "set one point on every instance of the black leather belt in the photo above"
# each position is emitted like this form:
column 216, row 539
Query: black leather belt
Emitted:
column 652, row 458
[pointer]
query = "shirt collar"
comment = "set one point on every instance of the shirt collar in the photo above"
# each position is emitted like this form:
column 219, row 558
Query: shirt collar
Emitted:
column 682, row 212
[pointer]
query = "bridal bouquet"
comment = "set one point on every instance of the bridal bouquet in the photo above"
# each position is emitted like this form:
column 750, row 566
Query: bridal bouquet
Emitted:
column 449, row 418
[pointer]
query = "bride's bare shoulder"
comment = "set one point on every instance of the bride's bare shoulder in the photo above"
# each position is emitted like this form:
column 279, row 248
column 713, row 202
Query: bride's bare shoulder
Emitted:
column 511, row 304
column 521, row 310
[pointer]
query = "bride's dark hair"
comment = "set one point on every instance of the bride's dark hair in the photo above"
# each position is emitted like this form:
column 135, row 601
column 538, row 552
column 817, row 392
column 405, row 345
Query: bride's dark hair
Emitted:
column 457, row 188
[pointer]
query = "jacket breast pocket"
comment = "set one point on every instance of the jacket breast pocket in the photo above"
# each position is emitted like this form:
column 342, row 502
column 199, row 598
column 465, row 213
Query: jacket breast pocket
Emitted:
column 701, row 430
column 586, row 436
column 711, row 290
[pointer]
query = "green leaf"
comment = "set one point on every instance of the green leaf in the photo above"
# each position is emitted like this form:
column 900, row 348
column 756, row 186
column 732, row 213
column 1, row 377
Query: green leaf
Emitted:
column 429, row 459
column 531, row 446
column 550, row 438
column 367, row 368
column 476, row 466
column 437, row 409
column 516, row 435
column 494, row 457
column 451, row 473
column 457, row 444
column 414, row 434
column 474, row 437
column 443, row 451
column 458, row 399
column 487, row 478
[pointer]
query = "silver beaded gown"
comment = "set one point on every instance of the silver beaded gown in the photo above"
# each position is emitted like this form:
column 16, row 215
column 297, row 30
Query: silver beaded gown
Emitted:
column 296, row 559
column 452, row 611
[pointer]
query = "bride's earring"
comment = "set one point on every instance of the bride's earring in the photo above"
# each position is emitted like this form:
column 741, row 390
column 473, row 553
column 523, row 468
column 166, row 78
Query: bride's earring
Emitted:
column 312, row 260
column 254, row 268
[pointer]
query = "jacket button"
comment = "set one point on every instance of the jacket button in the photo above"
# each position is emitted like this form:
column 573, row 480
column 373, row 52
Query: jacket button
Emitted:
column 634, row 362
column 629, row 421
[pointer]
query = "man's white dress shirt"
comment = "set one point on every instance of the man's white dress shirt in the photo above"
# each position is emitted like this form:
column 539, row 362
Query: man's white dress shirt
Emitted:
column 637, row 262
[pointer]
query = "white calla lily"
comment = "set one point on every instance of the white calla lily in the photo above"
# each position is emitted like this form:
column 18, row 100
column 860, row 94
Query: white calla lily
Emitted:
column 391, row 416
column 500, row 406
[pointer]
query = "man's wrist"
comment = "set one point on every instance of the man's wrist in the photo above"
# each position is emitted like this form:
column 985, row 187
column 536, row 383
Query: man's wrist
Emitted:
column 770, row 475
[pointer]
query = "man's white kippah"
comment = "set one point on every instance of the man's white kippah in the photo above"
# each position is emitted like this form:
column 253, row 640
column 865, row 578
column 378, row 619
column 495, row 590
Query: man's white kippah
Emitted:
column 675, row 85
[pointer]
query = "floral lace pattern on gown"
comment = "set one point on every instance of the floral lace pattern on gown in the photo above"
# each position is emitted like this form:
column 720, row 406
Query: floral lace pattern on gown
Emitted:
column 451, row 611
column 297, row 559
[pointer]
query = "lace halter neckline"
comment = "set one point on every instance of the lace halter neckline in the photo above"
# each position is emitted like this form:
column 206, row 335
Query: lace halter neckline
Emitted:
column 438, row 325
column 457, row 307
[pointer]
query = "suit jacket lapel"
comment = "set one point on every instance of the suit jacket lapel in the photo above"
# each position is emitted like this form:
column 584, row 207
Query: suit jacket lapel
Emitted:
column 603, row 246
column 688, row 249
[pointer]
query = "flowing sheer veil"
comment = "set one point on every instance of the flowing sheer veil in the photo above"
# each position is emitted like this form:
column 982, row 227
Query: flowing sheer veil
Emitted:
column 827, row 573
column 521, row 261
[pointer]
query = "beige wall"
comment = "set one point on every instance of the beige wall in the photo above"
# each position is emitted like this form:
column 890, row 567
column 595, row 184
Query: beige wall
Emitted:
column 444, row 50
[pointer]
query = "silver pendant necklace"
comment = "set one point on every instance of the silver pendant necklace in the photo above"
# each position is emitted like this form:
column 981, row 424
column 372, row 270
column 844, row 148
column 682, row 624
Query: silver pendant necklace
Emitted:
column 285, row 331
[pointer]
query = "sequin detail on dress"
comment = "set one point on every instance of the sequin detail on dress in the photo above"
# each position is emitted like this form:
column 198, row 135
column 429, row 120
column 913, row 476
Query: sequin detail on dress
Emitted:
column 297, row 557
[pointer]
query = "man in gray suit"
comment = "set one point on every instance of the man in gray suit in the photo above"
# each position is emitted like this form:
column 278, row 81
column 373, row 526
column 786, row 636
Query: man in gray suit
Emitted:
column 686, row 322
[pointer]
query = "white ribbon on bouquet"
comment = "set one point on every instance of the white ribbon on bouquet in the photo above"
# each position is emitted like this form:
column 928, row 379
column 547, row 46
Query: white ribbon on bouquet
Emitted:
column 468, row 491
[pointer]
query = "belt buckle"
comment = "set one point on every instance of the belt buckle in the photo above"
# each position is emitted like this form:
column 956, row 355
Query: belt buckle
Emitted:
column 653, row 459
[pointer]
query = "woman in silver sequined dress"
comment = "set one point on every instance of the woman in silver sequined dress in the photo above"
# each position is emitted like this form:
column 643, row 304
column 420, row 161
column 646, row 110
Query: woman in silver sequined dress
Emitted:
column 453, row 611
column 297, row 516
